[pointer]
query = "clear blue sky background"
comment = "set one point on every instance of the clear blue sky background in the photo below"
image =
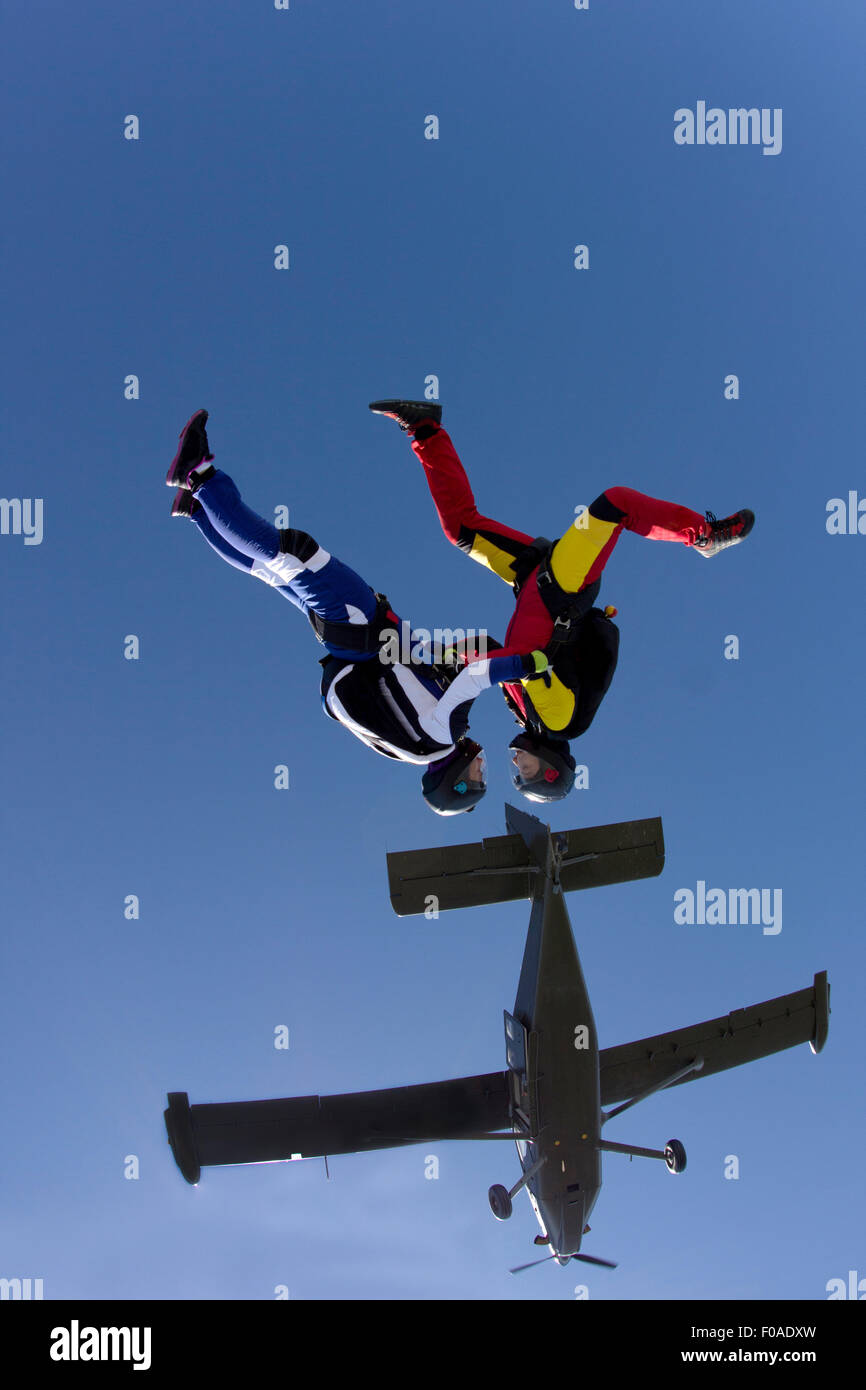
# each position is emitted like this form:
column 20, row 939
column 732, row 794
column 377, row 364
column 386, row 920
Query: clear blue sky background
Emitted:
column 155, row 777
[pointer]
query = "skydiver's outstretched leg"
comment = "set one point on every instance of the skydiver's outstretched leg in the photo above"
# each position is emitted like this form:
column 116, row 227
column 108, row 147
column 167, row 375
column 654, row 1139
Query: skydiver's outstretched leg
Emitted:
column 489, row 542
column 580, row 556
column 290, row 561
column 202, row 521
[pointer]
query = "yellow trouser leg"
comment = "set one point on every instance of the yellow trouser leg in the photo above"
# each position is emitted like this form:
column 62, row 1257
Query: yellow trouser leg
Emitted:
column 487, row 553
column 575, row 554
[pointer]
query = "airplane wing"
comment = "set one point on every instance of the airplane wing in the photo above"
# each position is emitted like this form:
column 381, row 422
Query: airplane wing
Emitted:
column 741, row 1036
column 267, row 1131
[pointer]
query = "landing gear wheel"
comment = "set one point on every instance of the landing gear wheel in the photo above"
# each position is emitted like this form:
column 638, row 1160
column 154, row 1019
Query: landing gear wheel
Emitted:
column 675, row 1156
column 500, row 1202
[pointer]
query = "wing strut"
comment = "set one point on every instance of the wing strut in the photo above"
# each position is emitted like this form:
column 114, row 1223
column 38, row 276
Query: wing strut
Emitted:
column 696, row 1065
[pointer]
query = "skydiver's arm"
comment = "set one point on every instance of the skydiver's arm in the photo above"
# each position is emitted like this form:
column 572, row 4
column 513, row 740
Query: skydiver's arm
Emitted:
column 506, row 651
column 425, row 650
column 480, row 647
column 477, row 676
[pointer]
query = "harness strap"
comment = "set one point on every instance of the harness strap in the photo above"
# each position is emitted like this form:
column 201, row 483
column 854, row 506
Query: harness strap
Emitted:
column 354, row 637
column 568, row 610
column 529, row 559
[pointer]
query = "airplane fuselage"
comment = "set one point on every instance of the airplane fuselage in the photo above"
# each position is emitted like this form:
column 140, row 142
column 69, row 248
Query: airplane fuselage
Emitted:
column 562, row 1073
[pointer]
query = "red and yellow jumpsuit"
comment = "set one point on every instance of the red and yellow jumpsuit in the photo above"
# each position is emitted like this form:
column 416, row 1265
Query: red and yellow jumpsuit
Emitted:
column 577, row 559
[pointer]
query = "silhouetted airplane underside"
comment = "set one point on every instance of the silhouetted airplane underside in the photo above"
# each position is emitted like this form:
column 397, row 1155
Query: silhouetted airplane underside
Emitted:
column 549, row 1100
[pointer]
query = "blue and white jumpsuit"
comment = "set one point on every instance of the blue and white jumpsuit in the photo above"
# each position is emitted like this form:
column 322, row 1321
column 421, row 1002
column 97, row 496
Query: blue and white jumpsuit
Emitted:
column 314, row 580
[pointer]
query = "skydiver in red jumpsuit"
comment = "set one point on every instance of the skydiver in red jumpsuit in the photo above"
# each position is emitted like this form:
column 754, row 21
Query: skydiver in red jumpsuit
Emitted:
column 575, row 645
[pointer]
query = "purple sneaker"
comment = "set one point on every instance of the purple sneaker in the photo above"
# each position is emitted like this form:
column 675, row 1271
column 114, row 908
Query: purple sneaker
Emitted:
column 185, row 503
column 193, row 450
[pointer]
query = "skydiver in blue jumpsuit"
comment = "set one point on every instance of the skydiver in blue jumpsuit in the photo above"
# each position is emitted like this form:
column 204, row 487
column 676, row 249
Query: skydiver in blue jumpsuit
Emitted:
column 414, row 712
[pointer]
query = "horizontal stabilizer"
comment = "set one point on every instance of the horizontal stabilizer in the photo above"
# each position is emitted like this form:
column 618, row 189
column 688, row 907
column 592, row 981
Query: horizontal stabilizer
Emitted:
column 267, row 1131
column 741, row 1036
column 504, row 869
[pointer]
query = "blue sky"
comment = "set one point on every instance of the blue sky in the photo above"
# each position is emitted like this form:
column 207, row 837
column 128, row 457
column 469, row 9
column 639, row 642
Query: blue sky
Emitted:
column 154, row 777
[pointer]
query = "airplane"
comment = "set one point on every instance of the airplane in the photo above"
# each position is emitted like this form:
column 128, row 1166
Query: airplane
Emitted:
column 549, row 1100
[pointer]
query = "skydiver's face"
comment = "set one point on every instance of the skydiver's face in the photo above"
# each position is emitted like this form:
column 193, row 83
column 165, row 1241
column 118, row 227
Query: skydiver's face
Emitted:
column 477, row 770
column 527, row 764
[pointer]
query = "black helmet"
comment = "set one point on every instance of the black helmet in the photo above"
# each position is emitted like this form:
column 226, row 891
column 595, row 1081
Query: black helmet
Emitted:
column 446, row 788
column 555, row 776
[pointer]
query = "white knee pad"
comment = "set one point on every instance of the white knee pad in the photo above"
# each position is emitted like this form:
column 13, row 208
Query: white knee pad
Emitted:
column 284, row 568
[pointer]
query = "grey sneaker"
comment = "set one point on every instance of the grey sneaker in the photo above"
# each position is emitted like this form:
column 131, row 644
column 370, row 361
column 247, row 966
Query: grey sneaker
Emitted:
column 729, row 531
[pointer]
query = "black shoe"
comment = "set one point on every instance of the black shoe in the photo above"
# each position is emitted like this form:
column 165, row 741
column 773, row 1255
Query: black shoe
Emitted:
column 185, row 504
column 720, row 534
column 410, row 414
column 194, row 449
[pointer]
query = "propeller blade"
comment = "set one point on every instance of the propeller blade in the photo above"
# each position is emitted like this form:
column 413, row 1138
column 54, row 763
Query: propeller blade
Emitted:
column 532, row 1263
column 587, row 1259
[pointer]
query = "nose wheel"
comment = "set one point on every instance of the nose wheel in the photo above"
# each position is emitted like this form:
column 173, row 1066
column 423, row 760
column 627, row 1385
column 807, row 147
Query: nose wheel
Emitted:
column 499, row 1197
